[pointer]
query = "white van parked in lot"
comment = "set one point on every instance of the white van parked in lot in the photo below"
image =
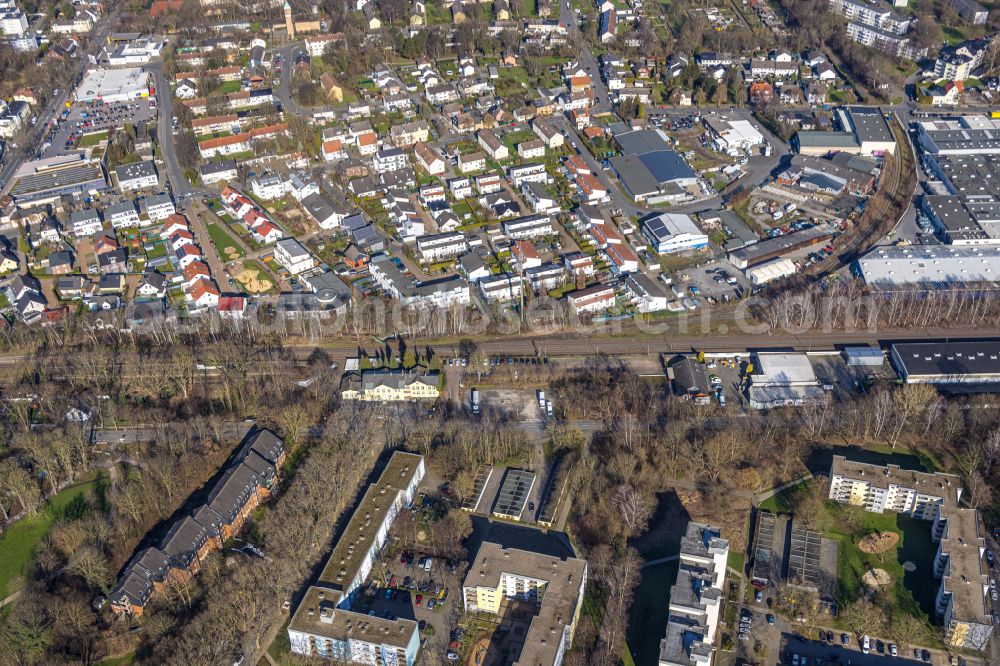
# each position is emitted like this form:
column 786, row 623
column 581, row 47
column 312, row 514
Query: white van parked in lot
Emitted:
column 865, row 644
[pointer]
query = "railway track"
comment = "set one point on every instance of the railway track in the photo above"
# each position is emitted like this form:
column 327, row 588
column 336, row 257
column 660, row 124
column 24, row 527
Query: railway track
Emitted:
column 870, row 234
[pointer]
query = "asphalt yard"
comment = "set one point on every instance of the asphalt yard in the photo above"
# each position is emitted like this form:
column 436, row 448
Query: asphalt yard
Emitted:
column 78, row 126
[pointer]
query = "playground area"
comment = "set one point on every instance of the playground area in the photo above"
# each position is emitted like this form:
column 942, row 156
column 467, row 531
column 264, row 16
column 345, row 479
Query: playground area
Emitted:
column 254, row 279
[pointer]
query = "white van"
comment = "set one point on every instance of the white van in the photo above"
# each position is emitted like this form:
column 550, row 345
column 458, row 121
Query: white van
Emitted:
column 865, row 644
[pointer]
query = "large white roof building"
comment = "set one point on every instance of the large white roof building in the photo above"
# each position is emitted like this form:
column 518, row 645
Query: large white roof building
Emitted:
column 932, row 265
column 113, row 85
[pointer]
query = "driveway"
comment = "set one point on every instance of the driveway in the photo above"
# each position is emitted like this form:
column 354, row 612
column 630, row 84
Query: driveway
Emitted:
column 202, row 237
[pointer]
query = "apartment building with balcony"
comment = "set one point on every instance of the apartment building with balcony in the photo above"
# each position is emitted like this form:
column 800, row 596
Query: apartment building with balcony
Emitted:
column 696, row 598
column 962, row 602
column 880, row 488
column 324, row 624
column 553, row 581
column 873, row 14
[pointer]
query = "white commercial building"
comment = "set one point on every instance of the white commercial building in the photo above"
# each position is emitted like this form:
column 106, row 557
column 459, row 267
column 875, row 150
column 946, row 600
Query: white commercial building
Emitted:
column 929, row 265
column 782, row 380
column 673, row 232
column 732, row 136
column 965, row 135
column 770, row 271
column 137, row 52
column 113, row 85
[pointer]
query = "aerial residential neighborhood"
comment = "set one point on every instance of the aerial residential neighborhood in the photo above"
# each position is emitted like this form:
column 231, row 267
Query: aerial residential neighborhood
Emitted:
column 417, row 332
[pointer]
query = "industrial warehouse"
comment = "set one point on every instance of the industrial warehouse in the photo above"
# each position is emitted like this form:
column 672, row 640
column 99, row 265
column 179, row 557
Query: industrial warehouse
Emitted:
column 965, row 364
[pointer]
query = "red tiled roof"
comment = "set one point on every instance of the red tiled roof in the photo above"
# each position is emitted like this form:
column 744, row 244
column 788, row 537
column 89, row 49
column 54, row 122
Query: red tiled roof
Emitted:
column 195, row 269
column 232, row 140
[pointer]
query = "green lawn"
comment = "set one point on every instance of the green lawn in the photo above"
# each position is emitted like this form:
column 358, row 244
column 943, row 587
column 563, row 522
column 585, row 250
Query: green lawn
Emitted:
column 223, row 241
column 954, row 34
column 92, row 139
column 912, row 592
column 227, row 87
column 280, row 648
column 18, row 543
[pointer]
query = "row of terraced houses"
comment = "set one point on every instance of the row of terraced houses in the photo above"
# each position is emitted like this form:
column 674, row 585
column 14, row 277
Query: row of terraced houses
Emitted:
column 190, row 539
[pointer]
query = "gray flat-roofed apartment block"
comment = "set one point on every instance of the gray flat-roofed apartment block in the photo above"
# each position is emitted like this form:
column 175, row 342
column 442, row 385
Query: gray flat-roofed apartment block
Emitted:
column 947, row 362
column 513, row 496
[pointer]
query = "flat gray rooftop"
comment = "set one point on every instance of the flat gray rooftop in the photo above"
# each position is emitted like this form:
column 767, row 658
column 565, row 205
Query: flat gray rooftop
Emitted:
column 513, row 494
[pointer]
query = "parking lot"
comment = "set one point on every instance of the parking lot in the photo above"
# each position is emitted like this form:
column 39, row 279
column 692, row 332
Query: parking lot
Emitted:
column 824, row 653
column 87, row 118
column 716, row 280
column 403, row 584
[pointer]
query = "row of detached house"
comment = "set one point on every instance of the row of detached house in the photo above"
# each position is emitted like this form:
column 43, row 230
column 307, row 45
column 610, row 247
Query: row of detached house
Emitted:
column 244, row 210
column 195, row 277
column 191, row 538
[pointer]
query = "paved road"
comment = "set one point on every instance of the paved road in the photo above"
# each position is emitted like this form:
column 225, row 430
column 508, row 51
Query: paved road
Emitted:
column 289, row 105
column 175, row 175
column 29, row 143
